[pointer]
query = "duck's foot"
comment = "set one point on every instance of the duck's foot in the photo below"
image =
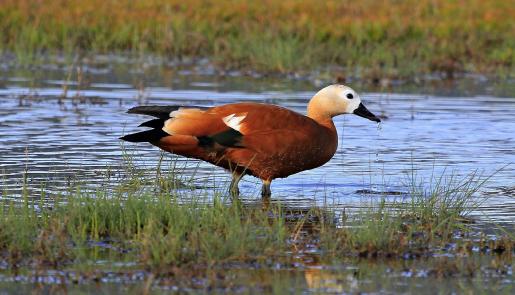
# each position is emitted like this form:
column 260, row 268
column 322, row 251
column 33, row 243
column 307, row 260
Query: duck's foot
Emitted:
column 266, row 193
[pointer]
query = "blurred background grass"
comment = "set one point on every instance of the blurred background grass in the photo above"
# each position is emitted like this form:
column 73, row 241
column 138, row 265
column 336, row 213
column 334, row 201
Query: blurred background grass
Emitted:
column 376, row 38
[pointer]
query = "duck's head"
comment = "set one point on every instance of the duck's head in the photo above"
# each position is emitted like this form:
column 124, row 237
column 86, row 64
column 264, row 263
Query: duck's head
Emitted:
column 335, row 100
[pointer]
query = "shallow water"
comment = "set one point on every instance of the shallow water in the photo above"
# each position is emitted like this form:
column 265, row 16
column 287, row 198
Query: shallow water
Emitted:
column 339, row 277
column 456, row 130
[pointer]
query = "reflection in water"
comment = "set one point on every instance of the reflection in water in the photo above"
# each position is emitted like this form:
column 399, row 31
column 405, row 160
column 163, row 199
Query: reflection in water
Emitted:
column 54, row 140
column 324, row 281
column 305, row 221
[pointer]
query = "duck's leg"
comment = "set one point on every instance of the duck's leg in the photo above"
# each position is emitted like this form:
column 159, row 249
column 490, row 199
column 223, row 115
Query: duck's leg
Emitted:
column 233, row 188
column 265, row 189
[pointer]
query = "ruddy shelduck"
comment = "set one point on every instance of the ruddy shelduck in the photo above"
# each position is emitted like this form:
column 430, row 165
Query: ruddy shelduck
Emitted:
column 263, row 140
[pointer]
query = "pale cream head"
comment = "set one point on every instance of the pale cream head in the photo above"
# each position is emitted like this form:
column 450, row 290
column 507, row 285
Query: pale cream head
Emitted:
column 336, row 100
column 333, row 100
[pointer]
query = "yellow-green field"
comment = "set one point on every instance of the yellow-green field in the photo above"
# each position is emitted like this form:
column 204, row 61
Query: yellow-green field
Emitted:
column 363, row 38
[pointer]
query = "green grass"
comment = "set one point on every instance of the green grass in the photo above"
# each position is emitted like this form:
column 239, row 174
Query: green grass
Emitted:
column 160, row 222
column 366, row 39
column 435, row 210
column 157, row 229
column 159, row 225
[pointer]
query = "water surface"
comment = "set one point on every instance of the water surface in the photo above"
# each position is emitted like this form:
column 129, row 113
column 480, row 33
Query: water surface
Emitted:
column 52, row 130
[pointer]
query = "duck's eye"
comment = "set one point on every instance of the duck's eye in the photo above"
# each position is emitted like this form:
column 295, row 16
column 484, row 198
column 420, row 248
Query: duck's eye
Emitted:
column 350, row 96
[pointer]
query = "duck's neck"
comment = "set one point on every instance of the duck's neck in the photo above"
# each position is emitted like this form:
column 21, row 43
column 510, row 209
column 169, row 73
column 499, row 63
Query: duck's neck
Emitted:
column 328, row 134
column 319, row 114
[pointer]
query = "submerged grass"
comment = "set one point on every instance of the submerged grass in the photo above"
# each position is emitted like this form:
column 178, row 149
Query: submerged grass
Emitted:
column 419, row 225
column 368, row 38
column 154, row 223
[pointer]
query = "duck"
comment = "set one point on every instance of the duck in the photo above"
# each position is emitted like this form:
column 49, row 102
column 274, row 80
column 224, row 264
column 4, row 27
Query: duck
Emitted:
column 262, row 140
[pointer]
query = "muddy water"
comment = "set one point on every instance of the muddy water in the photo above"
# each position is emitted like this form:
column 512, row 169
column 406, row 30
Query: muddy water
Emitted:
column 453, row 129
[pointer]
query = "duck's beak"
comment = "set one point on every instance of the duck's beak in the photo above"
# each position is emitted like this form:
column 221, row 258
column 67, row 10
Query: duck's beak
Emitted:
column 362, row 111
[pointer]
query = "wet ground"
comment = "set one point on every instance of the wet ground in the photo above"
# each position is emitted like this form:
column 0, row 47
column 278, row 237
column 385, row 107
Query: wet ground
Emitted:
column 57, row 124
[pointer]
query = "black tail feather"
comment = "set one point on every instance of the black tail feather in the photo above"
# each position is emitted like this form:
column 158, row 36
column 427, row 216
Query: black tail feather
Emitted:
column 154, row 123
column 151, row 135
column 162, row 112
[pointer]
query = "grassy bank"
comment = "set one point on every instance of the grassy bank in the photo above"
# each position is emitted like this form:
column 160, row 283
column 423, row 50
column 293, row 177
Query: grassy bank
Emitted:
column 156, row 224
column 368, row 39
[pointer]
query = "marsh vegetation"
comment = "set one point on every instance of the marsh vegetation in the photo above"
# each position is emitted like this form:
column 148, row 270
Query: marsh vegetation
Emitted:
column 365, row 39
column 169, row 234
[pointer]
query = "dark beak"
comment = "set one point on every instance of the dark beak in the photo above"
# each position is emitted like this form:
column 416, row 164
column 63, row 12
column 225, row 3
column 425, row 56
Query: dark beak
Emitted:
column 362, row 111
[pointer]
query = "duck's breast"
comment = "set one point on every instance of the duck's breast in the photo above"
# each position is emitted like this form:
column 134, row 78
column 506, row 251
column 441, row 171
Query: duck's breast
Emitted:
column 298, row 144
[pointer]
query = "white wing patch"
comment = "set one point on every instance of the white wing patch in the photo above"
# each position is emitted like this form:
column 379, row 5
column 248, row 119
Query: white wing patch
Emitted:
column 234, row 121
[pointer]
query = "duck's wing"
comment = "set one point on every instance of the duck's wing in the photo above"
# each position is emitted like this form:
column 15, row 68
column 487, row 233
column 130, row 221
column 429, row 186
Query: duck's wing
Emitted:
column 188, row 131
column 195, row 132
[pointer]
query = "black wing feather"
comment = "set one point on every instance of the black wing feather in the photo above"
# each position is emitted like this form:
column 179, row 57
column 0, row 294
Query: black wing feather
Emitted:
column 228, row 138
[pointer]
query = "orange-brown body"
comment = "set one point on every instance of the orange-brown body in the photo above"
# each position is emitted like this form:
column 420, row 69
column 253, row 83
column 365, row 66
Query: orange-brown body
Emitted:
column 276, row 142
